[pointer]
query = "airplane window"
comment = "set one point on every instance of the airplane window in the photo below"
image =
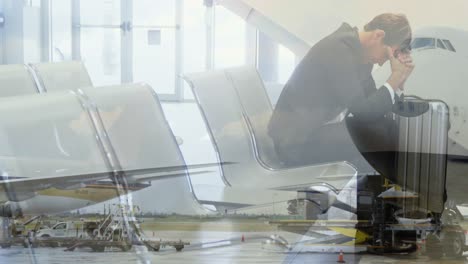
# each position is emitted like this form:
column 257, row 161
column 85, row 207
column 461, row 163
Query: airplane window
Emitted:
column 423, row 43
column 440, row 44
column 449, row 45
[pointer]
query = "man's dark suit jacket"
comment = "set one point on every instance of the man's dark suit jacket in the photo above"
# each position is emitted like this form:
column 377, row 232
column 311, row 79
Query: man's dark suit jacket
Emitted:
column 329, row 80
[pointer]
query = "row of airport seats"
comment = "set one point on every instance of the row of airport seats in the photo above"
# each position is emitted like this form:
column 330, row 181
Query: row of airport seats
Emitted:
column 18, row 79
column 77, row 129
column 117, row 107
column 65, row 128
column 236, row 109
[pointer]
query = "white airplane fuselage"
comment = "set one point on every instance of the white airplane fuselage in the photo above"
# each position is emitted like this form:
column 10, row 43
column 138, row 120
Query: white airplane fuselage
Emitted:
column 52, row 200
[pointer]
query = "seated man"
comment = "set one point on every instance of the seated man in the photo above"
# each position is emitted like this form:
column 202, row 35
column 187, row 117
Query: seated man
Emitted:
column 334, row 81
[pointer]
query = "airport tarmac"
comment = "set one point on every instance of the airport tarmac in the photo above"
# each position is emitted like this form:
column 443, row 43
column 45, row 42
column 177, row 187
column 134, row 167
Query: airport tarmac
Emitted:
column 206, row 247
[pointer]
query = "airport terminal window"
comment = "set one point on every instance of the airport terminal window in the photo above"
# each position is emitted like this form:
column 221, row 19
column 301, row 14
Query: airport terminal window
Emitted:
column 230, row 39
column 423, row 43
column 286, row 64
column 102, row 50
column 101, row 56
column 131, row 41
column 195, row 21
column 275, row 64
column 155, row 64
column 100, row 43
column 61, row 27
column 275, row 61
column 162, row 12
column 36, row 3
column 101, row 12
column 155, row 45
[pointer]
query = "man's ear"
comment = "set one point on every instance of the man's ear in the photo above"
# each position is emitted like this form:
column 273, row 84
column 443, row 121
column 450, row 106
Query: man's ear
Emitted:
column 379, row 34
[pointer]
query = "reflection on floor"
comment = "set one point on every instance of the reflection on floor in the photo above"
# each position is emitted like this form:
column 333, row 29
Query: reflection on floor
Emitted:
column 208, row 247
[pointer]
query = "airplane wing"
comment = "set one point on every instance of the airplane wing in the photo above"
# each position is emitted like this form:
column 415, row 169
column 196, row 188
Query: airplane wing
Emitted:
column 246, row 198
column 19, row 188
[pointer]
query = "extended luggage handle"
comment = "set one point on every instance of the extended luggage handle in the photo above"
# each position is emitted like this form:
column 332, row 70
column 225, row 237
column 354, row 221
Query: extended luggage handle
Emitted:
column 415, row 106
column 411, row 108
column 412, row 96
column 426, row 100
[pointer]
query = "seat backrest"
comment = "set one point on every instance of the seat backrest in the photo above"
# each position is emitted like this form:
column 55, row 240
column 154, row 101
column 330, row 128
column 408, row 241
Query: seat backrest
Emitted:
column 47, row 136
column 15, row 79
column 59, row 76
column 223, row 116
column 141, row 138
column 230, row 134
column 257, row 109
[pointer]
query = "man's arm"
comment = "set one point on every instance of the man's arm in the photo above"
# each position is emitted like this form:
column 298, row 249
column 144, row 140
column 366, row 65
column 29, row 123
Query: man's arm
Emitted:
column 346, row 86
column 406, row 59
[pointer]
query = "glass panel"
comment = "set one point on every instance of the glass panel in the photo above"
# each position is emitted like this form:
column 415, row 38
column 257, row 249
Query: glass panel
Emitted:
column 423, row 42
column 267, row 57
column 286, row 64
column 100, row 52
column 100, row 12
column 36, row 3
column 29, row 35
column 154, row 12
column 230, row 39
column 440, row 44
column 194, row 40
column 61, row 30
column 154, row 63
column 449, row 45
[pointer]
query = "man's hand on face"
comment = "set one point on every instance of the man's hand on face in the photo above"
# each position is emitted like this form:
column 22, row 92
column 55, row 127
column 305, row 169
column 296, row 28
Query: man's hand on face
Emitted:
column 402, row 67
column 405, row 58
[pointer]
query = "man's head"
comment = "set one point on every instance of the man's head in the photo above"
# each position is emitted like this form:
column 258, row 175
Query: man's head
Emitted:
column 385, row 31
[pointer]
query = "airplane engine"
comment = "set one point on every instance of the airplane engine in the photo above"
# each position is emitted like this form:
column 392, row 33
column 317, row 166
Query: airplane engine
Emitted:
column 10, row 210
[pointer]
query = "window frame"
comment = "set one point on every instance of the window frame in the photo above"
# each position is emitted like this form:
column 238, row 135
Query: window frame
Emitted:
column 432, row 46
column 449, row 45
column 440, row 44
column 127, row 44
column 126, row 75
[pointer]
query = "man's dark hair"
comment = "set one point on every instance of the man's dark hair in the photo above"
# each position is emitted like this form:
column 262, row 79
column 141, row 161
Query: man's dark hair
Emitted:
column 396, row 27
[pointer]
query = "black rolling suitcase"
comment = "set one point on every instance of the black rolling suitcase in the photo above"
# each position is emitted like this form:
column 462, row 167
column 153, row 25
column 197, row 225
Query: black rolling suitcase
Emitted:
column 421, row 156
